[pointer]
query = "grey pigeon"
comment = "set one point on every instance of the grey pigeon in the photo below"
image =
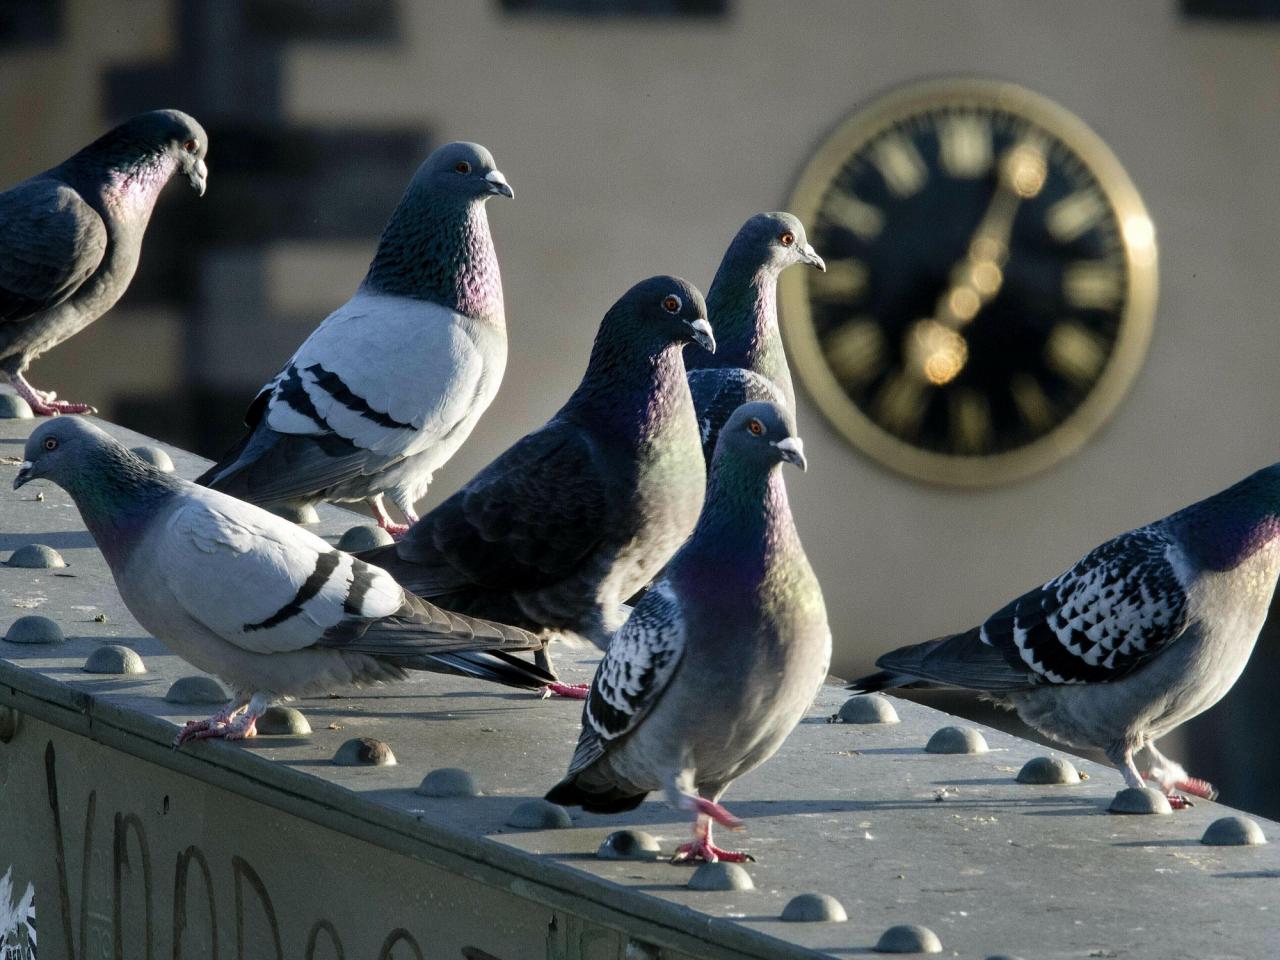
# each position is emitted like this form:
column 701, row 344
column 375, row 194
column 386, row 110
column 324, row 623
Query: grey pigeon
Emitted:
column 70, row 237
column 272, row 609
column 1144, row 633
column 721, row 659
column 564, row 525
column 749, row 362
column 391, row 384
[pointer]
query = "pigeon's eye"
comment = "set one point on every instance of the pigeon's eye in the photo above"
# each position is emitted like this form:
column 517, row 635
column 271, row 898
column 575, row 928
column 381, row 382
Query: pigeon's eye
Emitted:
column 787, row 239
column 671, row 303
column 191, row 145
column 756, row 427
column 51, row 443
column 462, row 166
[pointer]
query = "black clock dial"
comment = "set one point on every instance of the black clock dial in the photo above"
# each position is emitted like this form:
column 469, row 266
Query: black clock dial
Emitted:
column 984, row 266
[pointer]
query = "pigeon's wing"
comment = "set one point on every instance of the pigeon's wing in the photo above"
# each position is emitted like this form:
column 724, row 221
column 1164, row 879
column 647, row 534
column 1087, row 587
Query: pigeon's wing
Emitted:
column 636, row 669
column 717, row 392
column 51, row 241
column 383, row 378
column 1121, row 605
column 526, row 520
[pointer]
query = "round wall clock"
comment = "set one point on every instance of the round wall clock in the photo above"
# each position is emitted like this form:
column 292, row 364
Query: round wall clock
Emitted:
column 990, row 283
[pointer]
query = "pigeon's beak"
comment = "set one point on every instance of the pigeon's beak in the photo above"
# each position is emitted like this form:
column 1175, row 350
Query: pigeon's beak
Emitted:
column 24, row 474
column 498, row 184
column 702, row 334
column 198, row 175
column 792, row 450
column 810, row 256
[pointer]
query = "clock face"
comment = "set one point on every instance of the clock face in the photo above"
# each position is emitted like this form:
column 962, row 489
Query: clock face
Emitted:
column 990, row 282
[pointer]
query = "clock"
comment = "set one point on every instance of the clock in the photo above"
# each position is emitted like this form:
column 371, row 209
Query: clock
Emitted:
column 990, row 283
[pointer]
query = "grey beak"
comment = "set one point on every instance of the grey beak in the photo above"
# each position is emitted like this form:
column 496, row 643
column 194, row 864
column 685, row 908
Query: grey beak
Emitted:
column 792, row 450
column 498, row 184
column 198, row 175
column 702, row 335
column 24, row 474
column 811, row 256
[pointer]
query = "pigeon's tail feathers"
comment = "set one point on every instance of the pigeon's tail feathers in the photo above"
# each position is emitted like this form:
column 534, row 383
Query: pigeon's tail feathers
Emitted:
column 572, row 792
column 492, row 665
column 884, row 680
column 960, row 660
column 435, row 580
column 252, row 419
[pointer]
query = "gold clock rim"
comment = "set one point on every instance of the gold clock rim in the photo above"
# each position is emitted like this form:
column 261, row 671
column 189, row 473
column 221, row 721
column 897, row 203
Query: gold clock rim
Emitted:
column 1136, row 321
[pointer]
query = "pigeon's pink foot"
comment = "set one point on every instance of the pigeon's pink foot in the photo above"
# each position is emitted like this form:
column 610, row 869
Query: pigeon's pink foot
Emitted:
column 397, row 530
column 1197, row 788
column 570, row 691
column 46, row 403
column 242, row 728
column 703, row 849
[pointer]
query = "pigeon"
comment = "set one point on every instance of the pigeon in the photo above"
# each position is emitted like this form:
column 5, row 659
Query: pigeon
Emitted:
column 721, row 659
column 749, row 363
column 238, row 592
column 70, row 237
column 564, row 525
column 391, row 384
column 1142, row 634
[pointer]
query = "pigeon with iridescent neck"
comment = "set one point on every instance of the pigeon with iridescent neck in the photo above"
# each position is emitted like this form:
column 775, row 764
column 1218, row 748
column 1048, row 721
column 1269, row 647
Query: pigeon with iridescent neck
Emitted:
column 749, row 362
column 556, row 532
column 722, row 657
column 391, row 384
column 269, row 607
column 1144, row 633
column 71, row 237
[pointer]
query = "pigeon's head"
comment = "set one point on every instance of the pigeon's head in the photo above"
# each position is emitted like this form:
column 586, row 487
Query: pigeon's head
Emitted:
column 57, row 448
column 776, row 240
column 173, row 133
column 763, row 433
column 463, row 170
column 670, row 308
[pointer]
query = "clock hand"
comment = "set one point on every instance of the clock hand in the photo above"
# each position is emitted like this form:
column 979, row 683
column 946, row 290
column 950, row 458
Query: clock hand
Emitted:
column 977, row 278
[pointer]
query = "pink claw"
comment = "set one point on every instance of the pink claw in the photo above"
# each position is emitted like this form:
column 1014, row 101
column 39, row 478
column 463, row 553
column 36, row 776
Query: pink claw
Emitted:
column 1197, row 788
column 570, row 691
column 719, row 814
column 703, row 849
column 46, row 404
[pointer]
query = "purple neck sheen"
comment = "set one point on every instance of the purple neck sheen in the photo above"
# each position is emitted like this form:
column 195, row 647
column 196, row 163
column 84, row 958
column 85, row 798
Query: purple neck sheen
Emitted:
column 441, row 252
column 1227, row 529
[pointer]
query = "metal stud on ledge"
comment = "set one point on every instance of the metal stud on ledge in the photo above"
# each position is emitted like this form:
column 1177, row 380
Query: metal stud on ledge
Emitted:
column 868, row 708
column 34, row 629
column 448, row 782
column 303, row 515
column 287, row 722
column 956, row 740
column 1140, row 801
column 1048, row 770
column 539, row 815
column 364, row 537
column 114, row 658
column 628, row 845
column 814, row 908
column 364, row 752
column 36, row 556
column 155, row 456
column 1233, row 832
column 721, row 876
column 196, row 689
column 909, row 938
column 13, row 407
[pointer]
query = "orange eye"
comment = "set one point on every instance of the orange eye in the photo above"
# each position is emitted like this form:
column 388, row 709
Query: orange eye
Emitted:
column 756, row 427
column 671, row 303
column 462, row 166
column 51, row 443
column 787, row 239
column 190, row 146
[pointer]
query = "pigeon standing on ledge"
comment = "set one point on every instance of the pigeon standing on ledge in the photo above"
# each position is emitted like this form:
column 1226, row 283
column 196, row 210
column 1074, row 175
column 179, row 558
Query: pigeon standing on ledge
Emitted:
column 721, row 659
column 749, row 362
column 386, row 390
column 272, row 609
column 1144, row 633
column 70, row 237
column 564, row 525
